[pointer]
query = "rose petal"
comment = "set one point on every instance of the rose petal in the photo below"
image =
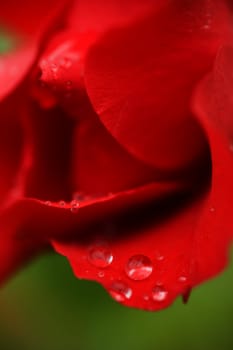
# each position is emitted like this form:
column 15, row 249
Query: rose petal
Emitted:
column 185, row 248
column 153, row 232
column 15, row 156
column 99, row 16
column 140, row 78
column 101, row 165
column 213, row 105
column 25, row 24
column 49, row 136
column 62, row 63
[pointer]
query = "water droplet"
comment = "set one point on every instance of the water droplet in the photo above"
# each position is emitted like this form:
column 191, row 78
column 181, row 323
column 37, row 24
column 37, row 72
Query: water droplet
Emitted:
column 182, row 279
column 65, row 62
column 146, row 297
column 206, row 27
column 138, row 267
column 159, row 256
column 120, row 291
column 159, row 293
column 48, row 203
column 74, row 206
column 100, row 256
column 212, row 209
column 101, row 274
column 54, row 67
column 62, row 204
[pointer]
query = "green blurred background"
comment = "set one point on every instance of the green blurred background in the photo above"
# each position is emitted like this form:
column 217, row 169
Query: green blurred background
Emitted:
column 46, row 308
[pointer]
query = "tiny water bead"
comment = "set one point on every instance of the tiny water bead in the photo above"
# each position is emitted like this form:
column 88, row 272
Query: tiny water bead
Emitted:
column 101, row 274
column 159, row 257
column 159, row 293
column 65, row 62
column 139, row 267
column 62, row 203
column 146, row 297
column 54, row 67
column 120, row 291
column 74, row 206
column 100, row 256
column 182, row 279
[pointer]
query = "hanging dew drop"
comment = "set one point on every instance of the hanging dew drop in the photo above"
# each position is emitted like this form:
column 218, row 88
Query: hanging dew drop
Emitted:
column 139, row 267
column 100, row 256
column 120, row 291
column 159, row 293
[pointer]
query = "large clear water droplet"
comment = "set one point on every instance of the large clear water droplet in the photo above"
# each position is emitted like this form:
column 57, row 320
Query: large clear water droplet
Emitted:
column 120, row 291
column 139, row 267
column 159, row 293
column 100, row 256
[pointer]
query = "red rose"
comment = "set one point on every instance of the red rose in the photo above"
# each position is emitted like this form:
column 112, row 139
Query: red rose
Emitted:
column 117, row 142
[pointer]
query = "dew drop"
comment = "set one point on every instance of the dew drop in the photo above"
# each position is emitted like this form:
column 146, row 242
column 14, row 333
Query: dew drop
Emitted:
column 54, row 68
column 48, row 203
column 159, row 257
column 146, row 297
column 212, row 209
column 206, row 27
column 74, row 206
column 159, row 293
column 120, row 291
column 182, row 279
column 138, row 267
column 65, row 62
column 100, row 256
column 101, row 274
column 62, row 204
